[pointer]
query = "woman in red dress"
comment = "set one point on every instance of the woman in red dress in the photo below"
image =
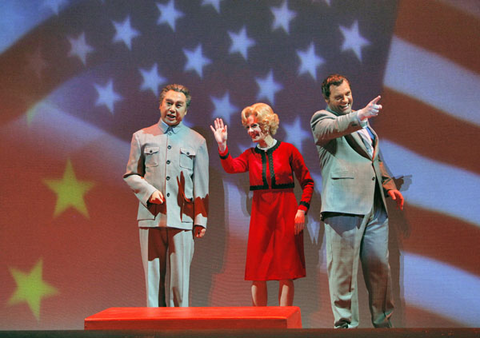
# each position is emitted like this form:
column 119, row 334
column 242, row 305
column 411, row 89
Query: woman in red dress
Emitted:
column 275, row 238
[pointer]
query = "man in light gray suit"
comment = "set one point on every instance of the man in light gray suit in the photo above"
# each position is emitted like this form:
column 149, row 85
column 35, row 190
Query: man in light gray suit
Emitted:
column 168, row 172
column 355, row 183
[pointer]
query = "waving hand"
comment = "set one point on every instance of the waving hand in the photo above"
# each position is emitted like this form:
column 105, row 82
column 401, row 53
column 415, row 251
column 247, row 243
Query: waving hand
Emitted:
column 220, row 133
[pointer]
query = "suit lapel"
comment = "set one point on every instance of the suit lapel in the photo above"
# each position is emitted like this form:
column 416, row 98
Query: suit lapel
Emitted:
column 356, row 142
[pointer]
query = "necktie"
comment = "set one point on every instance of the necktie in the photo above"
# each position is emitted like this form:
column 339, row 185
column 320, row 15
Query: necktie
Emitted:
column 367, row 140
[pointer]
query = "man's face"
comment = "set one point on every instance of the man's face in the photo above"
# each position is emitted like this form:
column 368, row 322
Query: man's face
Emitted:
column 340, row 100
column 173, row 107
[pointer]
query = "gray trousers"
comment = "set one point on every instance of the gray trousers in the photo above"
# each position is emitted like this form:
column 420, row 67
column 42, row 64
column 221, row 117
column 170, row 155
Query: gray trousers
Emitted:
column 350, row 239
column 162, row 249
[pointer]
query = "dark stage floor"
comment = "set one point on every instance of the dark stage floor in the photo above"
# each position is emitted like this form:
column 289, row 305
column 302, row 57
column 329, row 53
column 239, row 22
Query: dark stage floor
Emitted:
column 257, row 333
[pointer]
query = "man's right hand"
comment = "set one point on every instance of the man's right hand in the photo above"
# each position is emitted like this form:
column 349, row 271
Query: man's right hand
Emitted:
column 371, row 110
column 156, row 198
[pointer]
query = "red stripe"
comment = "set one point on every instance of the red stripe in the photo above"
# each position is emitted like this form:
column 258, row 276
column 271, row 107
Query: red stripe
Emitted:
column 436, row 236
column 440, row 28
column 428, row 131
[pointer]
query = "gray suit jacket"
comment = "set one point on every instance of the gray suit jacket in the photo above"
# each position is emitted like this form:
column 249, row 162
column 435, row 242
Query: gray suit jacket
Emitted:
column 349, row 174
column 175, row 163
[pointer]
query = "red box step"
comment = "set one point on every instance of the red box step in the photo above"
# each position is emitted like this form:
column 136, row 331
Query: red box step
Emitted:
column 192, row 318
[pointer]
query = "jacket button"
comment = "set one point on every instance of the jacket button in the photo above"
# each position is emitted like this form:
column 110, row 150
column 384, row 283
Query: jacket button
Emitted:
column 373, row 178
column 168, row 194
column 168, row 161
column 168, row 177
column 169, row 147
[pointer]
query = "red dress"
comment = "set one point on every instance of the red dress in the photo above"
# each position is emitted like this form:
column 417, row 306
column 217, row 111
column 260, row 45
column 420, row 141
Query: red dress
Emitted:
column 274, row 252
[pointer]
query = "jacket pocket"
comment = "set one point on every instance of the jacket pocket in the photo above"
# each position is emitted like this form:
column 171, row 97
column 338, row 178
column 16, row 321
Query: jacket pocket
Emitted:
column 187, row 157
column 151, row 156
column 342, row 174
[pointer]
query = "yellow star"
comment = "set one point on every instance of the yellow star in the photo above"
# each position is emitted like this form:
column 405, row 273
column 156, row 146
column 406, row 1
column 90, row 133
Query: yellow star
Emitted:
column 70, row 191
column 31, row 288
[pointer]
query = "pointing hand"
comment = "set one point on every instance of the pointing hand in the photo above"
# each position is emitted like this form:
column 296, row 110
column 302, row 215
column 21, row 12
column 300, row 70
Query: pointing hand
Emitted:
column 371, row 110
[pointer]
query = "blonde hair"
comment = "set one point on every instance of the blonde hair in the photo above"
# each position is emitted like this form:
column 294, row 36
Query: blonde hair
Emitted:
column 266, row 118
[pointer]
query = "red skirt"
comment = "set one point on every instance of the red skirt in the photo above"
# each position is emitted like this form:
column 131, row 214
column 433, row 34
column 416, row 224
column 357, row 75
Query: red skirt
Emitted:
column 274, row 252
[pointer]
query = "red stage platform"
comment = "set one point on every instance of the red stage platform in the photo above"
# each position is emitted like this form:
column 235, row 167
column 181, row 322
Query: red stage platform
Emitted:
column 193, row 318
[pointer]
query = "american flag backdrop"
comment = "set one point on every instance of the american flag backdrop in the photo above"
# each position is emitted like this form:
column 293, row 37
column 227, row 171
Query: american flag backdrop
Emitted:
column 78, row 77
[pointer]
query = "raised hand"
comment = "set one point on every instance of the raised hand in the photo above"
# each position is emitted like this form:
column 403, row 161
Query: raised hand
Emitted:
column 371, row 110
column 220, row 133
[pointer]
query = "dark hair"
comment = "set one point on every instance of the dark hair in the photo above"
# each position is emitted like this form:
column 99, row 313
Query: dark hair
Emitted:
column 176, row 88
column 334, row 79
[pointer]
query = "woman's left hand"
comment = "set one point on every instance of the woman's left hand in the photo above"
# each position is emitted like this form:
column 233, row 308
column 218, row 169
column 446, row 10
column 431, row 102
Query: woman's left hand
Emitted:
column 299, row 221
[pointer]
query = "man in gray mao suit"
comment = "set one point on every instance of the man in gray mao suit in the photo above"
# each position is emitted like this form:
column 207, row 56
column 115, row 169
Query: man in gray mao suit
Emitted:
column 355, row 183
column 168, row 173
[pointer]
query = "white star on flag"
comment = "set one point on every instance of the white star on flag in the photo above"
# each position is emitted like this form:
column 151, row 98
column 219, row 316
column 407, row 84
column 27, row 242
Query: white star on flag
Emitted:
column 309, row 61
column 353, row 40
column 283, row 16
column 125, row 32
column 195, row 60
column 168, row 14
column 151, row 79
column 241, row 42
column 107, row 96
column 223, row 107
column 268, row 88
column 214, row 3
column 80, row 48
column 296, row 134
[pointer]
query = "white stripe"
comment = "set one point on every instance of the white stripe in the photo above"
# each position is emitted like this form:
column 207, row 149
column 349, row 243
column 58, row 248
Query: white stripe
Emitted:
column 433, row 80
column 434, row 185
column 18, row 18
column 441, row 289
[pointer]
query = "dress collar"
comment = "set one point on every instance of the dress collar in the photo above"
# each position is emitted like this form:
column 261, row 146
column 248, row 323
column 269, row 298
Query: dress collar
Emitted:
column 268, row 150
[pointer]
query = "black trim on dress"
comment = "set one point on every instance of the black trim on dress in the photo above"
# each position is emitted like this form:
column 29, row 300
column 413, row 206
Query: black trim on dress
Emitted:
column 264, row 154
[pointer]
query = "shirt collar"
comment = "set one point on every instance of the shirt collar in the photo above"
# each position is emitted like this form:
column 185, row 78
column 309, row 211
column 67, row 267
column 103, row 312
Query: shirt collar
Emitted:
column 165, row 127
column 332, row 111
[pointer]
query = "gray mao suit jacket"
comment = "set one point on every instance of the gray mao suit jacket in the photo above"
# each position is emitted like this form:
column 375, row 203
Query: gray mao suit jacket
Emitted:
column 175, row 162
column 349, row 173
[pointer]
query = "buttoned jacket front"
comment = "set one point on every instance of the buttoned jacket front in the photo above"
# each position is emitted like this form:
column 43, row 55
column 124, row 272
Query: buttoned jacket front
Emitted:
column 175, row 162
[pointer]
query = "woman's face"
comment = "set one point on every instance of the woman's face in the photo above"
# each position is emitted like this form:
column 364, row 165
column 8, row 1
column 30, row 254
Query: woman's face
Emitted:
column 254, row 130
